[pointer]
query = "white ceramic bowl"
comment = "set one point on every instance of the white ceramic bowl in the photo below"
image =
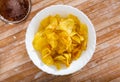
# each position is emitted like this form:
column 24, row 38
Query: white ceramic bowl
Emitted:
column 62, row 10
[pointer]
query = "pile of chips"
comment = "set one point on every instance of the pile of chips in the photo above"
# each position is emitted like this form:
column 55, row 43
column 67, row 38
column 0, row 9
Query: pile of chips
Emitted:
column 60, row 40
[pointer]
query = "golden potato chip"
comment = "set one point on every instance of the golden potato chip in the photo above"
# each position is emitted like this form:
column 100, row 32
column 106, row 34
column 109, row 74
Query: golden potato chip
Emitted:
column 51, row 38
column 53, row 21
column 44, row 23
column 48, row 60
column 57, row 64
column 39, row 41
column 45, row 52
column 76, row 52
column 66, row 25
column 76, row 20
column 58, row 18
column 60, row 40
column 60, row 58
column 36, row 41
column 76, row 38
column 68, row 58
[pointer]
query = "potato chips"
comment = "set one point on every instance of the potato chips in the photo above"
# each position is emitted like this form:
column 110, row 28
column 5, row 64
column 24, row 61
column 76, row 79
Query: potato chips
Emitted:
column 60, row 40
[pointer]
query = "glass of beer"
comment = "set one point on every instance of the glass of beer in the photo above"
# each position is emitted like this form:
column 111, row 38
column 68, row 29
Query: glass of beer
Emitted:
column 14, row 11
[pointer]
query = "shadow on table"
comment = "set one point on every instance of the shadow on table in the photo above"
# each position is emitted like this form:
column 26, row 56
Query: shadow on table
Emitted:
column 52, row 78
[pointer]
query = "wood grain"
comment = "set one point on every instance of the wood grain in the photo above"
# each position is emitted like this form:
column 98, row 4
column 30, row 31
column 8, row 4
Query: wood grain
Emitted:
column 16, row 66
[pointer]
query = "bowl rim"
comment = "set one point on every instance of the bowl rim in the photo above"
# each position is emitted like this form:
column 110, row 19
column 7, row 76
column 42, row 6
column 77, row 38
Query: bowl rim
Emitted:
column 77, row 10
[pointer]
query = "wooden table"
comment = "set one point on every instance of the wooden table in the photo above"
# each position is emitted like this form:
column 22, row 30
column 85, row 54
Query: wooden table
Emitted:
column 16, row 66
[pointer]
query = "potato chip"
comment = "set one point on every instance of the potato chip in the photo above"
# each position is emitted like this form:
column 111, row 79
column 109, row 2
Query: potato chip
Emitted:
column 44, row 23
column 36, row 41
column 48, row 60
column 57, row 64
column 60, row 40
column 66, row 25
column 76, row 38
column 60, row 58
column 68, row 58
column 76, row 20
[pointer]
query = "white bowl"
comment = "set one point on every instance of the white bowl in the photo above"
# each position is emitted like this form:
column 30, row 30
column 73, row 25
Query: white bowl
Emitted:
column 62, row 10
